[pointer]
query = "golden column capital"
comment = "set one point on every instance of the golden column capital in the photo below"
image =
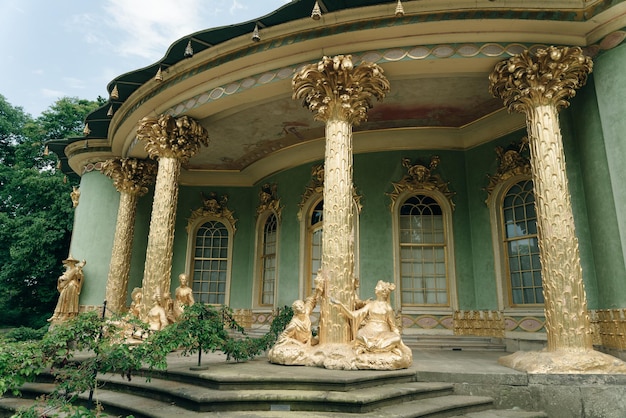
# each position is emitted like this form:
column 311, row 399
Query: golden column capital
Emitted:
column 130, row 175
column 549, row 77
column 335, row 89
column 167, row 136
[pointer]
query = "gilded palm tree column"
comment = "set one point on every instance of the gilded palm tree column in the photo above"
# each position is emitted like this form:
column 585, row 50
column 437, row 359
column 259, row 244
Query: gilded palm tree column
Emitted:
column 540, row 85
column 131, row 178
column 340, row 95
column 172, row 141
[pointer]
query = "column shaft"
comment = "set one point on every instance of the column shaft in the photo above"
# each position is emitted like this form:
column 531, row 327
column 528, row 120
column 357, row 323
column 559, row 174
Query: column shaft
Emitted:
column 157, row 269
column 338, row 238
column 567, row 319
column 119, row 269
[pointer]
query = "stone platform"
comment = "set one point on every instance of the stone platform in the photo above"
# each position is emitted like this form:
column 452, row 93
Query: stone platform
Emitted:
column 438, row 384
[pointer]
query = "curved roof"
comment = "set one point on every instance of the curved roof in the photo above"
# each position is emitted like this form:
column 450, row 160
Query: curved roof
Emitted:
column 347, row 20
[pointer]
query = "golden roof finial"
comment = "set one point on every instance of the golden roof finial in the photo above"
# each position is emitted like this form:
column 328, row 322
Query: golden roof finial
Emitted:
column 399, row 9
column 316, row 14
column 115, row 94
column 188, row 50
column 86, row 130
column 159, row 75
column 255, row 34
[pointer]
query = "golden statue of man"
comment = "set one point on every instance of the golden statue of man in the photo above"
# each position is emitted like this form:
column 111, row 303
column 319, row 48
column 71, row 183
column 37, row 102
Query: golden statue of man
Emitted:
column 69, row 286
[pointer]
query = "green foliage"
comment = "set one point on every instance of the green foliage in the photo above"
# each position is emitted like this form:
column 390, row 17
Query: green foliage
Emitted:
column 20, row 362
column 12, row 122
column 247, row 348
column 74, row 352
column 201, row 329
column 36, row 213
column 25, row 334
column 64, row 118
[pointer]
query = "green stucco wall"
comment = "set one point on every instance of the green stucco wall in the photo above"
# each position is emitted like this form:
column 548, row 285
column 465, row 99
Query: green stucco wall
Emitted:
column 94, row 230
column 482, row 161
column 574, row 160
column 239, row 201
column 475, row 278
column 373, row 177
column 291, row 186
column 602, row 142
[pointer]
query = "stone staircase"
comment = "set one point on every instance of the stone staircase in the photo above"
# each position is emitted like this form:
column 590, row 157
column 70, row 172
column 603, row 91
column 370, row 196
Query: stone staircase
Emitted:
column 256, row 391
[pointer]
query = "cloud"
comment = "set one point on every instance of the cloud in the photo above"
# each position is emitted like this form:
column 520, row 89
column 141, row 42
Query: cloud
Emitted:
column 236, row 6
column 74, row 83
column 52, row 93
column 148, row 27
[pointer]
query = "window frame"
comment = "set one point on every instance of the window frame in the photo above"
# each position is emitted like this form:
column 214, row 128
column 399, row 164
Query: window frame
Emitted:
column 446, row 210
column 502, row 268
column 259, row 256
column 191, row 250
column 306, row 236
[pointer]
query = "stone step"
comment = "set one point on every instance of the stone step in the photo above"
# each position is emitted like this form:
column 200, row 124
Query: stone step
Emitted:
column 140, row 407
column 199, row 398
column 453, row 342
column 504, row 413
column 264, row 375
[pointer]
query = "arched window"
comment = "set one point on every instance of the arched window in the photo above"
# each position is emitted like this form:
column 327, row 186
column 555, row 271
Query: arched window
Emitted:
column 211, row 263
column 267, row 260
column 423, row 250
column 315, row 230
column 312, row 224
column 520, row 245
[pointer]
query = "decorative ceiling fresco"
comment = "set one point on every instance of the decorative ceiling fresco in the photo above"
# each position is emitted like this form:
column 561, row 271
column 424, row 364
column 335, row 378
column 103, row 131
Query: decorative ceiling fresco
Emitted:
column 243, row 138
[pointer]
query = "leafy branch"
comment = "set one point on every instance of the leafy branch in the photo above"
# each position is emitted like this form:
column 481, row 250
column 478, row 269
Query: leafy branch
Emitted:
column 74, row 352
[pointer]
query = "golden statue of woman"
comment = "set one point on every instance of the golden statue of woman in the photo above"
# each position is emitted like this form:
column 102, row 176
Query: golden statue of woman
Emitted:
column 136, row 306
column 378, row 343
column 293, row 344
column 184, row 296
column 157, row 317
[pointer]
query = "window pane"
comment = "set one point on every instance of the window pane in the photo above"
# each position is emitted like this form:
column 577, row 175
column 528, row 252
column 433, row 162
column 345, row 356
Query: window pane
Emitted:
column 268, row 261
column 423, row 274
column 521, row 244
column 210, row 252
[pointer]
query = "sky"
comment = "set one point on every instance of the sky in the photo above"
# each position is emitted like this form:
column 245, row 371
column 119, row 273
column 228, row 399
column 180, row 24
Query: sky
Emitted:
column 55, row 48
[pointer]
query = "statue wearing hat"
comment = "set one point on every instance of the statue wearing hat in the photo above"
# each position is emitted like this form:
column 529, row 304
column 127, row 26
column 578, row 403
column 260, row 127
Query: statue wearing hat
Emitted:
column 69, row 286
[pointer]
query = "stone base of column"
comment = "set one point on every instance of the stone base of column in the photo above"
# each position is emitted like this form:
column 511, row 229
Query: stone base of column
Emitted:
column 558, row 362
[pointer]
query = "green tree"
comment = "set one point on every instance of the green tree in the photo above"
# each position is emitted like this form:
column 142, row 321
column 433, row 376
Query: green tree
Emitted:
column 36, row 213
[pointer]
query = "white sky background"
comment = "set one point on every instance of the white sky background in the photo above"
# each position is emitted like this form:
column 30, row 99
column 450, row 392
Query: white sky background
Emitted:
column 55, row 48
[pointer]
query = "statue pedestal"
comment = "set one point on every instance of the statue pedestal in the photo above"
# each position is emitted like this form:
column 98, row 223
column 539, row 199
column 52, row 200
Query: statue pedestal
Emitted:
column 340, row 357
